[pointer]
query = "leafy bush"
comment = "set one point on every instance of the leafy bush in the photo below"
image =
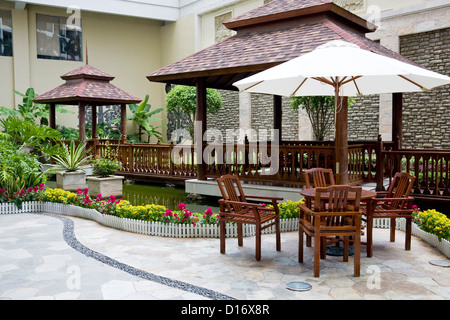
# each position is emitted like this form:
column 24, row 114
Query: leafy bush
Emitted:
column 104, row 167
column 72, row 157
column 433, row 222
column 18, row 170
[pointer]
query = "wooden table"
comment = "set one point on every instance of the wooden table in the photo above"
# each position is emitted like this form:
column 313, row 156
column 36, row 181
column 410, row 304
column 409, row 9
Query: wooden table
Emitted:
column 366, row 196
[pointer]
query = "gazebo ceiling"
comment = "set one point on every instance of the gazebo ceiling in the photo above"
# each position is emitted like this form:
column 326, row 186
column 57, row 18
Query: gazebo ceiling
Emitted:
column 267, row 36
column 89, row 85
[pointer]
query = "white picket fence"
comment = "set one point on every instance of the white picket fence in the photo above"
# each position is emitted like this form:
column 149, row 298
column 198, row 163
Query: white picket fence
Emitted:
column 143, row 227
column 189, row 230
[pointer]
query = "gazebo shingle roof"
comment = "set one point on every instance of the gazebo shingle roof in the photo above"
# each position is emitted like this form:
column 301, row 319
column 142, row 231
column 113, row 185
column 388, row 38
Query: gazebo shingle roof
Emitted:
column 87, row 84
column 255, row 49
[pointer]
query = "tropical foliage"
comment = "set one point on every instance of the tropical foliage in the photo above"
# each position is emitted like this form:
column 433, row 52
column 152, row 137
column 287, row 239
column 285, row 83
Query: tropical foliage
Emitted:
column 72, row 157
column 141, row 117
column 320, row 110
column 29, row 110
column 183, row 99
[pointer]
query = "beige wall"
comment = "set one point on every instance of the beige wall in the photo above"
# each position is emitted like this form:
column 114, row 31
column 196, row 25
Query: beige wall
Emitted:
column 125, row 47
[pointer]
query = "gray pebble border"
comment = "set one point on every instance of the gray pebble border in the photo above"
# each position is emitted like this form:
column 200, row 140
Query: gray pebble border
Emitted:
column 71, row 240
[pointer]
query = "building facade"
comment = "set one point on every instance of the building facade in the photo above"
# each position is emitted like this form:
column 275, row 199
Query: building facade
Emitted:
column 40, row 40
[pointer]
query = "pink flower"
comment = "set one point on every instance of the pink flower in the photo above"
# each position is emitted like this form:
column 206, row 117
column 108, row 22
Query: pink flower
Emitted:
column 86, row 190
column 168, row 213
column 99, row 196
column 2, row 190
column 182, row 206
column 209, row 212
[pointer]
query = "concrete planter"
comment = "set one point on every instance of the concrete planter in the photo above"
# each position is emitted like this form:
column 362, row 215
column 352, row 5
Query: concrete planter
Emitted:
column 71, row 181
column 107, row 186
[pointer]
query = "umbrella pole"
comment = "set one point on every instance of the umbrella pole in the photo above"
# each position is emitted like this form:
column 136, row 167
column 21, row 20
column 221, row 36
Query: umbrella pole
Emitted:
column 341, row 137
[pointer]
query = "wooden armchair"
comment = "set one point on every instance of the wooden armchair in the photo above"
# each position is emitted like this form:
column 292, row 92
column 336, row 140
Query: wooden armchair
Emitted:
column 332, row 216
column 234, row 207
column 395, row 203
column 320, row 177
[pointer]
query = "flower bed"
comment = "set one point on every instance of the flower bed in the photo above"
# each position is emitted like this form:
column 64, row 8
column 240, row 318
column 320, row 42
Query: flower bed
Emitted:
column 431, row 226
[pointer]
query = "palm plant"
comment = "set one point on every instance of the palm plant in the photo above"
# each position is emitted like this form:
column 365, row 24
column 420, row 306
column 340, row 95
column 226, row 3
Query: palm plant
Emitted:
column 141, row 117
column 72, row 157
column 29, row 110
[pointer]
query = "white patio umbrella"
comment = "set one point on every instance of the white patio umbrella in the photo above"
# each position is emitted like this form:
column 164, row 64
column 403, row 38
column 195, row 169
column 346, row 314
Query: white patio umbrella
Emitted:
column 341, row 69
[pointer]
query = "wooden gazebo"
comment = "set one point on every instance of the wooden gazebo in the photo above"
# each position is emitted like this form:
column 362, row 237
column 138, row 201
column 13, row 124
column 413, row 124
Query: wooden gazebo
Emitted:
column 88, row 86
column 270, row 35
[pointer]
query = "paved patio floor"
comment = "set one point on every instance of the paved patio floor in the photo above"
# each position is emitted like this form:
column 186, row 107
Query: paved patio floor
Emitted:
column 44, row 256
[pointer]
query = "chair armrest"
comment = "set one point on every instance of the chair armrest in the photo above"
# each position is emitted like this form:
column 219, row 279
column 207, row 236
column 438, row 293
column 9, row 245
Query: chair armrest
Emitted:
column 265, row 198
column 407, row 199
column 246, row 204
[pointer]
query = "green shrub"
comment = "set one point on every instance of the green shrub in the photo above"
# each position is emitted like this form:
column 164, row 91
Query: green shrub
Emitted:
column 18, row 170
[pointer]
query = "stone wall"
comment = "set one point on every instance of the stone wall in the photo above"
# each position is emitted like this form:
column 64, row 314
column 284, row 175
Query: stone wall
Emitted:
column 261, row 115
column 426, row 115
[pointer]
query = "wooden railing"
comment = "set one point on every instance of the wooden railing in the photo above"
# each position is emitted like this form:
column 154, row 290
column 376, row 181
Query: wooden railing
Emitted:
column 430, row 167
column 251, row 162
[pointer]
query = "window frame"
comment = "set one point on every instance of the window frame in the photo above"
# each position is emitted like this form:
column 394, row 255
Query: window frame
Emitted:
column 63, row 29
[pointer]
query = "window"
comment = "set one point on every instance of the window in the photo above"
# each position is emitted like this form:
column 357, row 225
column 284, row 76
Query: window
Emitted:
column 56, row 40
column 6, row 44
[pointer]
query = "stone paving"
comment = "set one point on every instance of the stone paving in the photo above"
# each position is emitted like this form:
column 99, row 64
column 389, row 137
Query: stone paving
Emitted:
column 39, row 260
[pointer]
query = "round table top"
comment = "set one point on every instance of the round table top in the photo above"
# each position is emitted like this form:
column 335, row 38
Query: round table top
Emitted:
column 365, row 194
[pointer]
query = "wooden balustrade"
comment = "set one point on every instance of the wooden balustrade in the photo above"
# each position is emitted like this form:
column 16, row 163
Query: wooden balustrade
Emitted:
column 430, row 167
column 251, row 162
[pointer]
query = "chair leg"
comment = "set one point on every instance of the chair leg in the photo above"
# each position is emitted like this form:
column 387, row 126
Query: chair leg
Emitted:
column 346, row 248
column 258, row 243
column 357, row 254
column 300, row 244
column 317, row 241
column 369, row 237
column 408, row 234
column 222, row 236
column 392, row 229
column 240, row 235
column 278, row 234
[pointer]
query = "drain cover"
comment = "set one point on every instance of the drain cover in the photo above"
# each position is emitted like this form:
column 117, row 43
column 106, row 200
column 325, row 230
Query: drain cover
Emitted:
column 299, row 286
column 441, row 263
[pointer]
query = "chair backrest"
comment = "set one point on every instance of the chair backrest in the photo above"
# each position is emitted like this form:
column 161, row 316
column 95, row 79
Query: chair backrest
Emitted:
column 334, row 200
column 400, row 187
column 231, row 190
column 320, row 178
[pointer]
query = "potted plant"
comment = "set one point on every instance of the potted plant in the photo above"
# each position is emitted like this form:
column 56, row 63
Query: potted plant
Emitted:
column 72, row 158
column 104, row 181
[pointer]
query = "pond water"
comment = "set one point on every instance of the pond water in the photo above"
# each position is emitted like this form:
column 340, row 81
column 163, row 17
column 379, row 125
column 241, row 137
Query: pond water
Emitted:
column 170, row 197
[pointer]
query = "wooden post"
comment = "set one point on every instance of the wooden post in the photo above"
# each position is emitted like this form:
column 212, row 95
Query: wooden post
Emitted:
column 341, row 140
column 201, row 118
column 123, row 122
column 94, row 128
column 82, row 121
column 397, row 112
column 379, row 164
column 277, row 115
column 94, row 121
column 397, row 125
column 52, row 116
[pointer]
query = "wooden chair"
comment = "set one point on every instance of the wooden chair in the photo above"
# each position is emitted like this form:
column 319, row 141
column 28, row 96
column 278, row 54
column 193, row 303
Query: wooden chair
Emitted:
column 394, row 204
column 234, row 207
column 332, row 216
column 320, row 177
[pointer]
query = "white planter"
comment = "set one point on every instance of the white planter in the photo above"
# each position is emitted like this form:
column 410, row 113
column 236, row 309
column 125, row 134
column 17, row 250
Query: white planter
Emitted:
column 71, row 181
column 105, row 186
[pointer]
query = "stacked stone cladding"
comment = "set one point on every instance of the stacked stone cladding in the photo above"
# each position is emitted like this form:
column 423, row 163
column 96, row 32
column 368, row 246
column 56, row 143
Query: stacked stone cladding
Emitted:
column 426, row 115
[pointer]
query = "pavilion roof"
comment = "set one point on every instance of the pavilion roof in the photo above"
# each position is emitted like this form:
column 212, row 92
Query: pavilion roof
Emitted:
column 87, row 84
column 267, row 36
